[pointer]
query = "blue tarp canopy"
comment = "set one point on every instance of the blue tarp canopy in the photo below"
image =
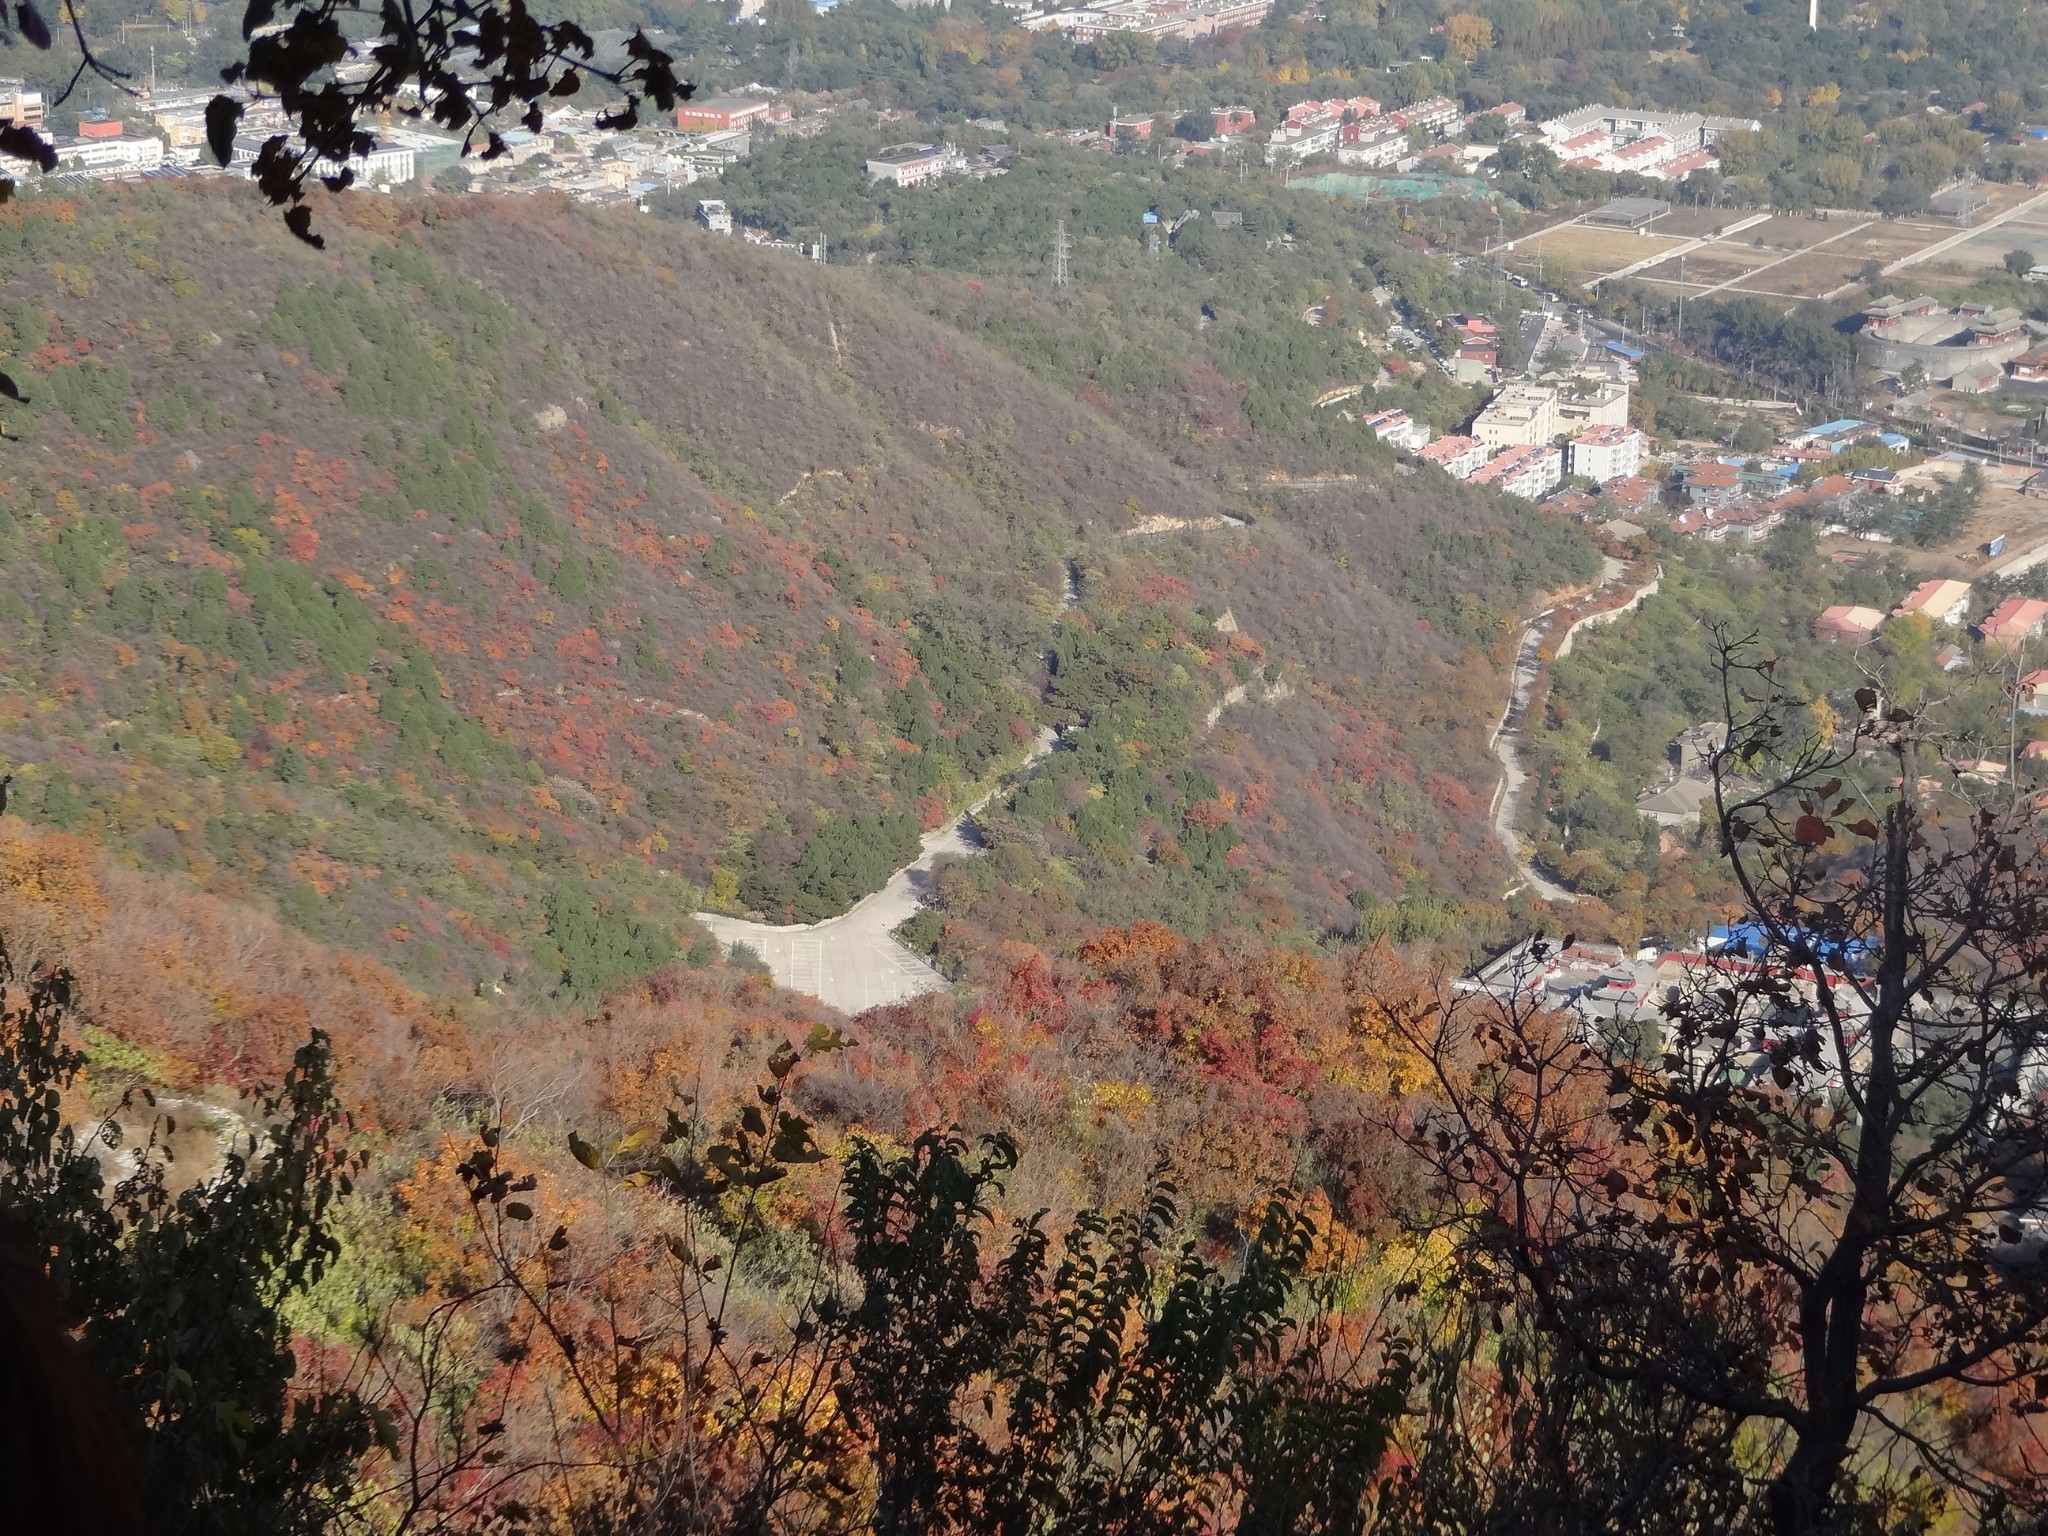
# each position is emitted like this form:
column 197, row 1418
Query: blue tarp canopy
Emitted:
column 1750, row 941
column 1623, row 349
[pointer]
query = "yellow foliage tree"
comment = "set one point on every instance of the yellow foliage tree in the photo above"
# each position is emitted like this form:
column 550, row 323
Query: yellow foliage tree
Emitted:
column 1468, row 35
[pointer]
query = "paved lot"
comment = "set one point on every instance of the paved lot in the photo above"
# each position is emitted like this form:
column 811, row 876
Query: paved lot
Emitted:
column 851, row 962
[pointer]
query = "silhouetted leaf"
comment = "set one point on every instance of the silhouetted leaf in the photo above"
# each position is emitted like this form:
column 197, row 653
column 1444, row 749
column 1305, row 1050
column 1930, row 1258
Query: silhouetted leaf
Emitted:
column 33, row 27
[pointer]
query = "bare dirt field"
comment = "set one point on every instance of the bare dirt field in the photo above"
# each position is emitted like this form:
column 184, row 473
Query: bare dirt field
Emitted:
column 1588, row 250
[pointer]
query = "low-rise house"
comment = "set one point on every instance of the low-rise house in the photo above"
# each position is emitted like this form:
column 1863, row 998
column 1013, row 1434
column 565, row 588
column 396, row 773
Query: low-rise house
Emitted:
column 1885, row 482
column 1677, row 804
column 2034, row 752
column 1850, row 622
column 1951, row 658
column 913, row 165
column 1398, row 428
column 1943, row 601
column 1712, row 484
column 1742, row 519
column 714, row 216
column 2013, row 621
column 1528, row 469
column 1631, row 493
column 1458, row 457
column 1605, row 453
column 1831, row 437
column 2032, row 694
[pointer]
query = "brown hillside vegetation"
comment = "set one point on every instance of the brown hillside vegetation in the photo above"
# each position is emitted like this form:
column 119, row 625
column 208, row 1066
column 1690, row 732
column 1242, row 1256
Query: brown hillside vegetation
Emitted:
column 492, row 622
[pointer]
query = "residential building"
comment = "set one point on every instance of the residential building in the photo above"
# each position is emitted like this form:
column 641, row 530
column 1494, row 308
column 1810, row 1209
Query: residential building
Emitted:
column 1527, row 469
column 1833, row 436
column 1458, row 457
column 1233, row 120
column 1520, row 414
column 1631, row 493
column 1592, row 403
column 714, row 216
column 1712, row 483
column 912, row 165
column 1438, row 115
column 1509, row 112
column 1370, row 146
column 1849, row 622
column 1739, row 519
column 721, row 114
column 1128, row 129
column 1605, row 453
column 1399, row 429
column 1945, row 602
column 2013, row 621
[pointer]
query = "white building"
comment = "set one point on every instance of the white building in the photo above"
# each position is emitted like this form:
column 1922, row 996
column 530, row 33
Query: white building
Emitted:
column 1398, row 428
column 387, row 165
column 1605, row 453
column 1459, row 457
column 714, row 216
column 912, row 165
column 1375, row 151
column 109, row 157
column 1529, row 469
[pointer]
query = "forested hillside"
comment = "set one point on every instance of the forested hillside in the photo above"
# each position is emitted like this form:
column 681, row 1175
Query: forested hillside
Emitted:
column 491, row 590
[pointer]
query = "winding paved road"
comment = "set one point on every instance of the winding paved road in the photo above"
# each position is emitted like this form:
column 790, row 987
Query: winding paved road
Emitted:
column 1507, row 735
column 1507, row 799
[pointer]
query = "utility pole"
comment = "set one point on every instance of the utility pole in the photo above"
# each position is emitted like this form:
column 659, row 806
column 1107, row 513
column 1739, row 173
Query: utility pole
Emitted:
column 1681, row 300
column 1059, row 254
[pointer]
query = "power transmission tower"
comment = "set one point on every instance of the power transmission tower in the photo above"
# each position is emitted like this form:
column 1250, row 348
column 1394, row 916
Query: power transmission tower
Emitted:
column 1153, row 242
column 1059, row 254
